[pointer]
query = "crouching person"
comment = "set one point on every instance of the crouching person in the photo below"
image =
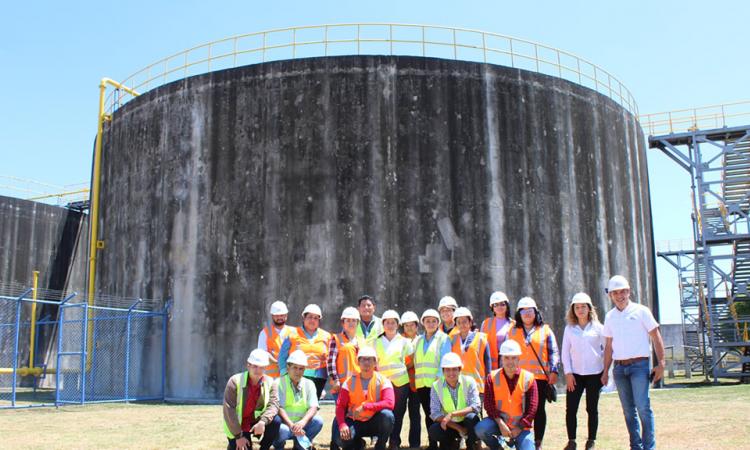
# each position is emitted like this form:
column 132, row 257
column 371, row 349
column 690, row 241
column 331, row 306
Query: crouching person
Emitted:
column 365, row 406
column 298, row 405
column 454, row 405
column 251, row 405
column 510, row 398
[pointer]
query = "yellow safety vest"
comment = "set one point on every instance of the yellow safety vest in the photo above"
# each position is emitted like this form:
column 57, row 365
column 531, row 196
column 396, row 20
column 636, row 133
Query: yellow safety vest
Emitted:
column 427, row 363
column 391, row 362
column 240, row 380
column 295, row 408
column 446, row 400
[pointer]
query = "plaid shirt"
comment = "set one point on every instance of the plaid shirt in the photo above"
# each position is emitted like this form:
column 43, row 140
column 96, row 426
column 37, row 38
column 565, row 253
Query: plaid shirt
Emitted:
column 333, row 354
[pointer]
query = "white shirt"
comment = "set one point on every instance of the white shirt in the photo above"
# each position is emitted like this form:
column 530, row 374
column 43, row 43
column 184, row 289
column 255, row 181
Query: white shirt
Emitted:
column 263, row 339
column 629, row 331
column 583, row 349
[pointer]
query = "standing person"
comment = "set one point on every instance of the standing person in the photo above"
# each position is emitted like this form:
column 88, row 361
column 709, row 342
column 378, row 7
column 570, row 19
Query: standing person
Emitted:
column 627, row 329
column 583, row 362
column 471, row 345
column 298, row 405
column 312, row 340
column 392, row 350
column 539, row 355
column 446, row 307
column 510, row 401
column 342, row 356
column 365, row 406
column 496, row 327
column 429, row 349
column 454, row 405
column 272, row 335
column 410, row 323
column 251, row 405
column 370, row 325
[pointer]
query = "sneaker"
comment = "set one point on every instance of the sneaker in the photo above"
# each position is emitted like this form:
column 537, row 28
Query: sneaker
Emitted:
column 590, row 445
column 462, row 444
column 571, row 445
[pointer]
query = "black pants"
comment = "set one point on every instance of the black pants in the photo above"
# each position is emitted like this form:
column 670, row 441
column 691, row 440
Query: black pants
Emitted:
column 592, row 384
column 272, row 431
column 399, row 410
column 540, row 421
column 380, row 426
column 424, row 400
column 320, row 384
column 449, row 436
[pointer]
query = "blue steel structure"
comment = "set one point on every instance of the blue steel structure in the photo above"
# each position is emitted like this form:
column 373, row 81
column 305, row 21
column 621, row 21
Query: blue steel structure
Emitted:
column 715, row 274
column 124, row 361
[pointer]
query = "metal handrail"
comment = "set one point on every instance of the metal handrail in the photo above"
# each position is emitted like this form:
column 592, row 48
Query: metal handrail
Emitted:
column 704, row 117
column 374, row 38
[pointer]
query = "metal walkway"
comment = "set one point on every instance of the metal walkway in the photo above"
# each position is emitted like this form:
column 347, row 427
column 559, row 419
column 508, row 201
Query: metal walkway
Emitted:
column 715, row 274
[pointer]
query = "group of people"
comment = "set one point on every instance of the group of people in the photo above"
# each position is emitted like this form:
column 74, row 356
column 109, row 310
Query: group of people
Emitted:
column 474, row 384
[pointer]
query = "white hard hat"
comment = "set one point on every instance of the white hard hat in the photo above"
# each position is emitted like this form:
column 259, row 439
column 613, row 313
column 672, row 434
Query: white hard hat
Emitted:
column 498, row 297
column 350, row 312
column 462, row 312
column 297, row 357
column 367, row 352
column 431, row 313
column 448, row 301
column 617, row 283
column 451, row 360
column 409, row 316
column 526, row 302
column 278, row 308
column 258, row 357
column 581, row 297
column 510, row 348
column 312, row 308
column 391, row 314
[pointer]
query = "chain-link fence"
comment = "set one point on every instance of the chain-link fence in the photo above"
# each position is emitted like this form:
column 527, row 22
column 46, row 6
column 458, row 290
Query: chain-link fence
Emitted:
column 80, row 353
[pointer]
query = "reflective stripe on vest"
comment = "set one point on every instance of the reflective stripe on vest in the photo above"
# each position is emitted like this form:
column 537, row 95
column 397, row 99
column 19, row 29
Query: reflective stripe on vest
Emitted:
column 446, row 400
column 240, row 380
column 511, row 406
column 473, row 358
column 346, row 359
column 295, row 408
column 316, row 348
column 427, row 363
column 273, row 344
column 358, row 396
column 527, row 360
column 391, row 362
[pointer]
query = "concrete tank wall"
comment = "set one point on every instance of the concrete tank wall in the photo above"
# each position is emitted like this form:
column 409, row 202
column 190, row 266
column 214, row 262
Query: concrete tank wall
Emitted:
column 317, row 180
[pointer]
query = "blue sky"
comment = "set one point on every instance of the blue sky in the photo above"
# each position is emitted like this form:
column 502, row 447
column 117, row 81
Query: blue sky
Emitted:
column 670, row 54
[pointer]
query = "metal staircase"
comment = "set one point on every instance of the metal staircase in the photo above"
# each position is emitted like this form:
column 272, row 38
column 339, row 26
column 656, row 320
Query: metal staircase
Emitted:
column 715, row 275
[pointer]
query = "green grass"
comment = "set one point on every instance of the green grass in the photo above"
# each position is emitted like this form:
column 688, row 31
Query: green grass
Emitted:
column 695, row 418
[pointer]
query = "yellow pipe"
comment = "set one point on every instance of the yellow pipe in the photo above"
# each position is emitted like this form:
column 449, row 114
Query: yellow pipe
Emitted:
column 94, row 208
column 23, row 371
column 33, row 319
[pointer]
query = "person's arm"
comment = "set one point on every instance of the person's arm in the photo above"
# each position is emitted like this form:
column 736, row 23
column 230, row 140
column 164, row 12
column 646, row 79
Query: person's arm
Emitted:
column 341, row 406
column 553, row 356
column 487, row 357
column 284, row 354
column 230, row 408
column 607, row 359
column 436, row 409
column 333, row 353
column 532, row 402
column 659, row 349
column 387, row 399
column 565, row 357
column 446, row 347
column 474, row 404
column 262, row 341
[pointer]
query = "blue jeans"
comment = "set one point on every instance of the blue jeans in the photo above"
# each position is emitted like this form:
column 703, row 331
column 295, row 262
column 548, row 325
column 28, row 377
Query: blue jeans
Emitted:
column 632, row 386
column 380, row 425
column 312, row 429
column 488, row 431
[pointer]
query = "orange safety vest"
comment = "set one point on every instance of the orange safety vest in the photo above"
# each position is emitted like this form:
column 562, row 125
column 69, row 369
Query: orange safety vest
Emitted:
column 511, row 405
column 538, row 339
column 358, row 396
column 473, row 358
column 410, row 370
column 346, row 359
column 274, row 340
column 488, row 327
column 454, row 330
column 316, row 348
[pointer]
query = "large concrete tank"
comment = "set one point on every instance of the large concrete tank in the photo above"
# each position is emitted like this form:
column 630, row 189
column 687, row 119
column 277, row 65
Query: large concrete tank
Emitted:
column 408, row 178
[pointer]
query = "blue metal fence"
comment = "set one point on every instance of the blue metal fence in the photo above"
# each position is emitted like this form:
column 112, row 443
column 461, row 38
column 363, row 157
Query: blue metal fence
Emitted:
column 83, row 353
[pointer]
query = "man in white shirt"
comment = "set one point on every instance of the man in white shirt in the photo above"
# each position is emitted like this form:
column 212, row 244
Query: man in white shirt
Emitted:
column 627, row 329
column 272, row 335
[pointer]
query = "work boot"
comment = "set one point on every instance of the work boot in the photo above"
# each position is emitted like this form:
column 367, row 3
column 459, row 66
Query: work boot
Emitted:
column 590, row 445
column 571, row 445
